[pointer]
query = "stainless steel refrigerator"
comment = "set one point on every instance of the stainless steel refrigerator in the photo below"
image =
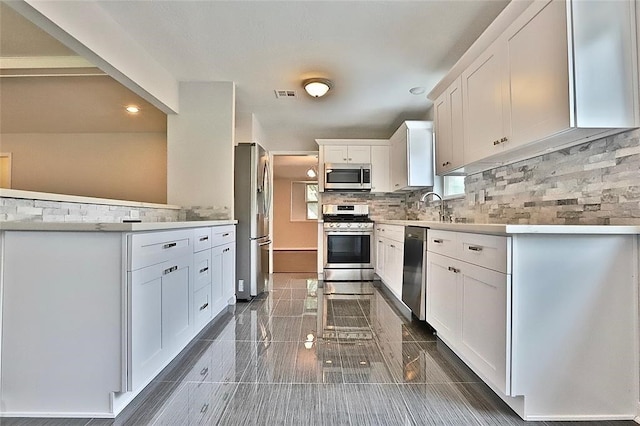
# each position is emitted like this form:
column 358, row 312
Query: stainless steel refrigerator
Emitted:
column 252, row 193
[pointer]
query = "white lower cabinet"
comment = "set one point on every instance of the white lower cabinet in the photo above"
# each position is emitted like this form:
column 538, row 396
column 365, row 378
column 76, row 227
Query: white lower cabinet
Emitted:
column 160, row 316
column 485, row 322
column 538, row 318
column 468, row 304
column 389, row 256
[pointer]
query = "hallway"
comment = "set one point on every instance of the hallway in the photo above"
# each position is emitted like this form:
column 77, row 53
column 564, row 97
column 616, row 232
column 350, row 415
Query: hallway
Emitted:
column 309, row 355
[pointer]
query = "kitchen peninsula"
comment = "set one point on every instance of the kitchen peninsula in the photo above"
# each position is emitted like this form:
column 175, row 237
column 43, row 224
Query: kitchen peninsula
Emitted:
column 92, row 312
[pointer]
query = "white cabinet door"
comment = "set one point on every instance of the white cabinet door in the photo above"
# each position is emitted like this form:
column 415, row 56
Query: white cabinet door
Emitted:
column 442, row 296
column 359, row 154
column 442, row 123
column 380, row 169
column 485, row 326
column 147, row 349
column 160, row 316
column 380, row 257
column 336, row 154
column 176, row 324
column 398, row 148
column 393, row 266
column 228, row 273
column 485, row 106
column 454, row 95
column 217, row 279
column 538, row 74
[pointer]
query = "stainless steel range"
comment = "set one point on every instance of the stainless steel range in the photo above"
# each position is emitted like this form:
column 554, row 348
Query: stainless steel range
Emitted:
column 348, row 242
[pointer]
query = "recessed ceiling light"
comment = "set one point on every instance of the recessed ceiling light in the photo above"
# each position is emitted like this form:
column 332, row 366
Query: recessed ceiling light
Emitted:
column 419, row 90
column 132, row 109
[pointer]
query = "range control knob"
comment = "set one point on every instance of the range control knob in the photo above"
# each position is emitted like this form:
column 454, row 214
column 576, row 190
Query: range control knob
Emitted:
column 348, row 225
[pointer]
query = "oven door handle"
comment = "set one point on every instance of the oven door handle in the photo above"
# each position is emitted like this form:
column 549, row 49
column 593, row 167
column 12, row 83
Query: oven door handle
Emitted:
column 347, row 232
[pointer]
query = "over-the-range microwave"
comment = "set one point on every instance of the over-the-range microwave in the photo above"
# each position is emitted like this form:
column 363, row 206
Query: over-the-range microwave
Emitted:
column 347, row 177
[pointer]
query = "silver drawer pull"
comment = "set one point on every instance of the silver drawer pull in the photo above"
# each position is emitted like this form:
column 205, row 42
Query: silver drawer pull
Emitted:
column 204, row 408
column 225, row 235
column 475, row 248
column 204, row 269
column 167, row 246
column 379, row 241
column 438, row 241
column 452, row 269
column 204, row 371
column 226, row 250
column 204, row 238
column 170, row 270
column 391, row 245
column 203, row 307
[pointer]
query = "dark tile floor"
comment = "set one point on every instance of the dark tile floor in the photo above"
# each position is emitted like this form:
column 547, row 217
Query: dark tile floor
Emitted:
column 340, row 354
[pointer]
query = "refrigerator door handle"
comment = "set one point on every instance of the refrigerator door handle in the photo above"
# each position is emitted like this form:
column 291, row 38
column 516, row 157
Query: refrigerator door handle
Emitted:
column 266, row 243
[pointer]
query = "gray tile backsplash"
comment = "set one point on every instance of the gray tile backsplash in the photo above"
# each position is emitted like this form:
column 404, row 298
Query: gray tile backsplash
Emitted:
column 595, row 183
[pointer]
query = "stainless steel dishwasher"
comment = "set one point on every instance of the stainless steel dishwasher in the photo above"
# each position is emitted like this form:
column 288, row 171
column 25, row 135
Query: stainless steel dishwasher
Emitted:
column 414, row 269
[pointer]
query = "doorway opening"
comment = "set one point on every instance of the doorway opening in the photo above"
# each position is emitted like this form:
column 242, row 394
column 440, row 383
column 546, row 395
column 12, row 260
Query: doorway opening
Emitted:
column 295, row 212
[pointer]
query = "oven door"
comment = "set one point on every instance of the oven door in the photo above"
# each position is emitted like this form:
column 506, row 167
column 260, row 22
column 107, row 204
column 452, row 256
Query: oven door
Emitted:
column 348, row 249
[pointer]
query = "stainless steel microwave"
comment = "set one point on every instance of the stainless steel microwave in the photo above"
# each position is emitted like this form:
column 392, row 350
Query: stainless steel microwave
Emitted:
column 347, row 177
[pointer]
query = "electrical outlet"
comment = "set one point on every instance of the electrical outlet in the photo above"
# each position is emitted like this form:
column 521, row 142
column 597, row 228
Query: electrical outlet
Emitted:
column 481, row 196
column 134, row 214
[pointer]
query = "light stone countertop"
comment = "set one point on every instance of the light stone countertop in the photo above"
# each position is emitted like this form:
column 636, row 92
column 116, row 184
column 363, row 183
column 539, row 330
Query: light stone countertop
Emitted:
column 506, row 229
column 109, row 227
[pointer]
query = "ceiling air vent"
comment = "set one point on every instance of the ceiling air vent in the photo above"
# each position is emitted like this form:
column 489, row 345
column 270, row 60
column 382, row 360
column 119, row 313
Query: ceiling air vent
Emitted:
column 286, row 94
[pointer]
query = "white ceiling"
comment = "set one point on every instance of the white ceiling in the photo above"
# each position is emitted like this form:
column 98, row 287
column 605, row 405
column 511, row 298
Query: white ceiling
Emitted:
column 373, row 51
column 294, row 167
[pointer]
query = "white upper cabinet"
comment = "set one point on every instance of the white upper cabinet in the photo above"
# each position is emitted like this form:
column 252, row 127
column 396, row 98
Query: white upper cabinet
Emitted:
column 544, row 78
column 380, row 181
column 449, row 129
column 358, row 154
column 412, row 156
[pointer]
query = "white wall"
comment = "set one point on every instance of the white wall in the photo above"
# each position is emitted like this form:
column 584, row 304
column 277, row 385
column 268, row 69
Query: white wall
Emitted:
column 200, row 143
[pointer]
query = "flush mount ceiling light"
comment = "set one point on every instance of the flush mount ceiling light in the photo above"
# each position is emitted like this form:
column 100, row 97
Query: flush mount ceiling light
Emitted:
column 417, row 90
column 132, row 109
column 317, row 87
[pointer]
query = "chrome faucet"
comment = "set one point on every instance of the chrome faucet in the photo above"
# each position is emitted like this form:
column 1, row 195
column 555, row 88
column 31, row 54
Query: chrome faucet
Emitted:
column 424, row 197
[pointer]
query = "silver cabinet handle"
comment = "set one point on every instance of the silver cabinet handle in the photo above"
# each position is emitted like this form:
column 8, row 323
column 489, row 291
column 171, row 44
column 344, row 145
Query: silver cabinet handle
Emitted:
column 170, row 270
column 452, row 269
column 167, row 246
column 203, row 307
column 204, row 408
column 204, row 269
column 438, row 241
column 225, row 235
column 475, row 248
column 391, row 245
column 204, row 371
column 204, row 238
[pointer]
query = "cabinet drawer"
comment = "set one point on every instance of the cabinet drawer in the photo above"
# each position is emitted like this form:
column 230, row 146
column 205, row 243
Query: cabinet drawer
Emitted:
column 201, row 239
column 392, row 232
column 442, row 242
column 488, row 251
column 202, row 269
column 202, row 306
column 223, row 235
column 155, row 247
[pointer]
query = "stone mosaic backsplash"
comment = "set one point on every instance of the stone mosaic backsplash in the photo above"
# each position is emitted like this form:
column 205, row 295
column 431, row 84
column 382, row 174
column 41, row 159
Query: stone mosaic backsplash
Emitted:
column 595, row 183
column 381, row 205
column 29, row 210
